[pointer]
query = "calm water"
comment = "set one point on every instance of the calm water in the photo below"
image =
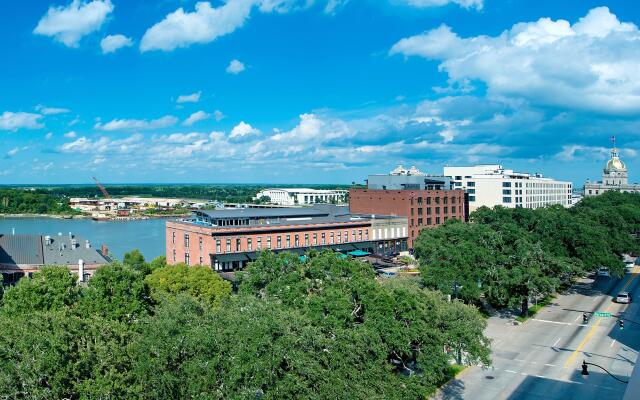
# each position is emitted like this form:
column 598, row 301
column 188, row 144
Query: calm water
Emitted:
column 120, row 236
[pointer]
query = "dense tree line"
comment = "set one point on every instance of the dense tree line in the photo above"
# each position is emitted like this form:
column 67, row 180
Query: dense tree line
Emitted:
column 321, row 328
column 509, row 256
column 19, row 201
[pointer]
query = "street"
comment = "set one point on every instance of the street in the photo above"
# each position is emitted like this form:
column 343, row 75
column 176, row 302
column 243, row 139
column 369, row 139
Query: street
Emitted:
column 541, row 359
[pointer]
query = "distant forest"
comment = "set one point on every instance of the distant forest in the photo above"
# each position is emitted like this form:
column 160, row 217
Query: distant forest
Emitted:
column 54, row 199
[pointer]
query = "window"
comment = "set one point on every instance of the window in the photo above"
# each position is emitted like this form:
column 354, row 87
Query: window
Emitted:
column 437, row 220
column 360, row 234
column 268, row 242
column 419, row 221
column 506, row 199
column 445, row 200
column 200, row 243
column 306, row 239
column 506, row 184
column 238, row 244
column 218, row 250
column 428, row 200
column 228, row 245
column 346, row 236
column 419, row 201
column 186, row 240
column 437, row 200
column 366, row 234
column 419, row 211
column 429, row 211
column 472, row 198
column 288, row 241
column 471, row 191
column 315, row 239
column 201, row 261
column 296, row 241
column 173, row 236
column 278, row 242
column 324, row 238
column 428, row 221
column 174, row 255
column 446, row 210
column 353, row 235
column 471, row 184
column 249, row 245
column 412, row 212
column 186, row 259
column 331, row 238
column 458, row 178
column 506, row 191
column 259, row 243
column 437, row 210
column 339, row 237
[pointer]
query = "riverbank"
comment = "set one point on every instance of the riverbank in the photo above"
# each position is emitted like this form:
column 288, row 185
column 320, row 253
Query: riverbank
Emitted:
column 54, row 216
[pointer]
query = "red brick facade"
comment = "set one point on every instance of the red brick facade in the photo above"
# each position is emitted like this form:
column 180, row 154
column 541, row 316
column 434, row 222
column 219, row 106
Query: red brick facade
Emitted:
column 423, row 208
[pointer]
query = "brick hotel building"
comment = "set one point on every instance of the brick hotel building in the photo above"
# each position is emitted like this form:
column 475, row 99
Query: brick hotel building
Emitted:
column 228, row 239
column 426, row 201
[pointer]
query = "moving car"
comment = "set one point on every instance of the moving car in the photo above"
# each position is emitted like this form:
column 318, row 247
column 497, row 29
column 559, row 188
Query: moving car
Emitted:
column 603, row 271
column 623, row 298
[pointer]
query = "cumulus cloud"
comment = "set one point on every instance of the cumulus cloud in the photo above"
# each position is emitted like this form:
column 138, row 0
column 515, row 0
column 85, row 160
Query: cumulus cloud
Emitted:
column 136, row 124
column 51, row 110
column 70, row 135
column 218, row 115
column 12, row 121
column 477, row 4
column 243, row 131
column 13, row 152
column 196, row 117
column 205, row 24
column 103, row 145
column 189, row 98
column 113, row 43
column 590, row 65
column 68, row 24
column 235, row 67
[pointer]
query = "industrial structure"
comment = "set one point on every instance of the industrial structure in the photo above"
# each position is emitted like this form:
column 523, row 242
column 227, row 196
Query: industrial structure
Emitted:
column 22, row 255
column 228, row 239
column 492, row 185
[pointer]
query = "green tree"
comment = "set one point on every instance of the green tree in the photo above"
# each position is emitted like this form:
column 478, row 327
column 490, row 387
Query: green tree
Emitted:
column 115, row 291
column 157, row 263
column 197, row 281
column 51, row 288
column 135, row 260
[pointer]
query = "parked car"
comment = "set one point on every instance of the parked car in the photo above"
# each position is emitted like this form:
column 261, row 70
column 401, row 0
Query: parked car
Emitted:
column 603, row 271
column 623, row 298
column 629, row 266
column 388, row 274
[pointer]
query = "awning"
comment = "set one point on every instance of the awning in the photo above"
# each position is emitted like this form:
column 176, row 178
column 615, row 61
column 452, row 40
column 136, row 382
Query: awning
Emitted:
column 358, row 253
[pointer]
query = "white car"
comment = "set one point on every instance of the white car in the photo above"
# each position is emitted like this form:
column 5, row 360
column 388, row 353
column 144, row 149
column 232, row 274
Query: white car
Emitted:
column 623, row 298
column 603, row 271
column 629, row 266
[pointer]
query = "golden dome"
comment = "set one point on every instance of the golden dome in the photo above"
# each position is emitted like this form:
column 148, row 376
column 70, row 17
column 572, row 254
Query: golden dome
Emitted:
column 615, row 164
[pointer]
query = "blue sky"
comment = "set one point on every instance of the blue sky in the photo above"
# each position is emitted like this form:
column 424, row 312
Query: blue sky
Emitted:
column 314, row 91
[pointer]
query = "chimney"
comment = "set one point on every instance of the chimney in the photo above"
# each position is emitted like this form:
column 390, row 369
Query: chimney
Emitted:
column 81, row 270
column 104, row 250
column 87, row 244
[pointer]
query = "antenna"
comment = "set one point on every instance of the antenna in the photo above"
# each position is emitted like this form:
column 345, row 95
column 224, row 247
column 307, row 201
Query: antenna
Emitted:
column 613, row 140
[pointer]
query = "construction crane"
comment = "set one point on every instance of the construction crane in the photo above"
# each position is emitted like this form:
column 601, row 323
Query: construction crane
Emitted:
column 102, row 189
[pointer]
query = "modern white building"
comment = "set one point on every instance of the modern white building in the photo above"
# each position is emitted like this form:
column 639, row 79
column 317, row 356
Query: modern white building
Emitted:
column 492, row 185
column 302, row 196
column 614, row 177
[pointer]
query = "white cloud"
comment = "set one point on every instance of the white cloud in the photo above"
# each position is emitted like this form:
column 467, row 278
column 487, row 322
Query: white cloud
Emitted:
column 218, row 115
column 189, row 98
column 69, row 24
column 136, row 124
column 70, row 135
column 591, row 65
column 51, row 110
column 10, row 121
column 477, row 4
column 243, row 131
column 196, row 117
column 235, row 67
column 333, row 5
column 112, row 43
column 205, row 24
column 104, row 145
column 13, row 152
column 48, row 135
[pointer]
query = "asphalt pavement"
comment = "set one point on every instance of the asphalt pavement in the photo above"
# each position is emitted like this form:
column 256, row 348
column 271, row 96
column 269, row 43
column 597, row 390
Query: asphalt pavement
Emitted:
column 541, row 359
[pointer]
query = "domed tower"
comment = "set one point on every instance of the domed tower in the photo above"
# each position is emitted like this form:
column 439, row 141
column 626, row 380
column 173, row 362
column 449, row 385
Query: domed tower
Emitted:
column 615, row 172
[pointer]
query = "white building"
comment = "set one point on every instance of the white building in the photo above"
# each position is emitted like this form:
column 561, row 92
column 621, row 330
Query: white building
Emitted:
column 492, row 185
column 614, row 177
column 301, row 196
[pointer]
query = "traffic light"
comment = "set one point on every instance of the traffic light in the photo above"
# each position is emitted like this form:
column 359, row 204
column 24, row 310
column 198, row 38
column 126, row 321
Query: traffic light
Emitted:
column 621, row 323
column 584, row 368
column 585, row 318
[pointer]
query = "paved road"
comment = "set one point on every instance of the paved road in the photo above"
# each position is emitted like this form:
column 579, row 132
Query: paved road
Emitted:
column 541, row 358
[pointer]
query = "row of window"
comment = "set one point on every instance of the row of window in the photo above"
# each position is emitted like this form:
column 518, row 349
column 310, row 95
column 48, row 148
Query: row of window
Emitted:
column 291, row 241
column 430, row 221
column 427, row 200
column 445, row 210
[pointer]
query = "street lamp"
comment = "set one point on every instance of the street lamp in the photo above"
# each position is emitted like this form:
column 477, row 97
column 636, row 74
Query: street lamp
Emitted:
column 585, row 371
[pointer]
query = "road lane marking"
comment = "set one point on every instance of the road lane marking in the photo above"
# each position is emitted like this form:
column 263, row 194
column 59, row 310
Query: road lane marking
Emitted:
column 510, row 371
column 551, row 322
column 556, row 343
column 578, row 317
column 612, row 343
column 592, row 331
column 550, row 365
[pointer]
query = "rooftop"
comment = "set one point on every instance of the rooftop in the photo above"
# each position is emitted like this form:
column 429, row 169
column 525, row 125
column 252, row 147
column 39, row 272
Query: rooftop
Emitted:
column 36, row 250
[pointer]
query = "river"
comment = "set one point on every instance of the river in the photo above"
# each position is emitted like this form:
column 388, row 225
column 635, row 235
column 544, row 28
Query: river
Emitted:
column 148, row 235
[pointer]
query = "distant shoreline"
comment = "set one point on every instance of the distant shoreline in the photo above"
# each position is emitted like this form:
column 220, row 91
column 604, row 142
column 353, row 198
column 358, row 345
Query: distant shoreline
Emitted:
column 53, row 216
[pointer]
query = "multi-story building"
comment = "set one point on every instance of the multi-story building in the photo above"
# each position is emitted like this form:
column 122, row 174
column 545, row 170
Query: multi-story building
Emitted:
column 614, row 177
column 492, row 185
column 302, row 196
column 22, row 255
column 425, row 200
column 228, row 239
